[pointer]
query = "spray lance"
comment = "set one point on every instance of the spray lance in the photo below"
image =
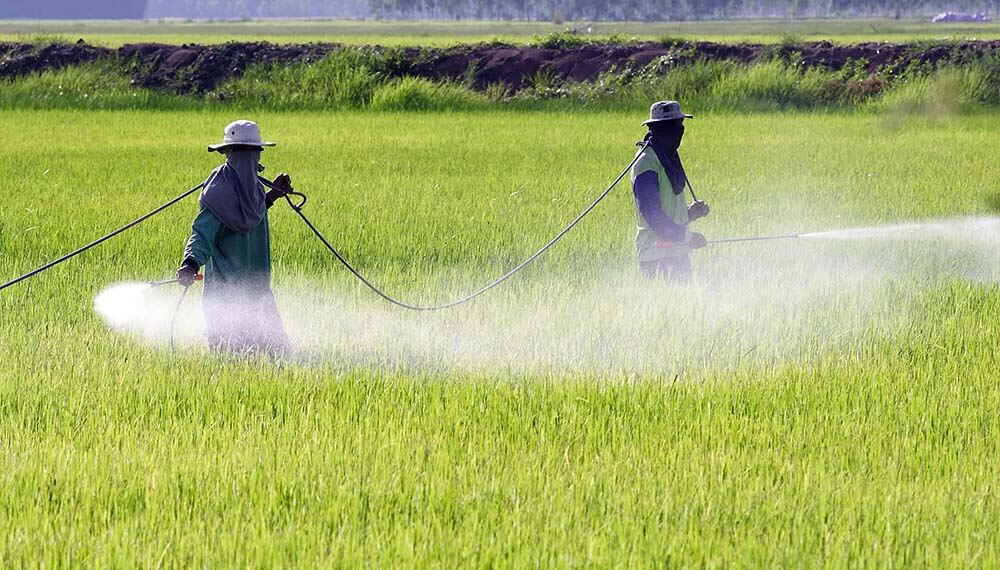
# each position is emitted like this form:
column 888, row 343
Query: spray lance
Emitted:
column 153, row 284
column 668, row 244
column 753, row 238
column 728, row 240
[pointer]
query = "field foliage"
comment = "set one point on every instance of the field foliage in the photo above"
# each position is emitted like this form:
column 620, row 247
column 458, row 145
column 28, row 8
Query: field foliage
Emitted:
column 443, row 33
column 802, row 403
column 361, row 79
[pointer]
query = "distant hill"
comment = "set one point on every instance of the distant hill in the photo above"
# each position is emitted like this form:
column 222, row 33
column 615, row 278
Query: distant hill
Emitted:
column 73, row 9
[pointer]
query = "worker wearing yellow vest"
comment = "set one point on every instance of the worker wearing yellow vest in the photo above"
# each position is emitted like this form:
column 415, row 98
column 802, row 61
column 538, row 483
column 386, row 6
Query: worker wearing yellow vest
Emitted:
column 663, row 239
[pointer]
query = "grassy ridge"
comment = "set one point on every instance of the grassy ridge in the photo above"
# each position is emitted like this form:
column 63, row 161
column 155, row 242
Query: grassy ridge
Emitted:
column 854, row 428
column 359, row 79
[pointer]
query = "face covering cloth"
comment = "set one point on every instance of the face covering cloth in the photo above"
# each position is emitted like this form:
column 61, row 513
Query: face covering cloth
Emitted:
column 665, row 139
column 234, row 194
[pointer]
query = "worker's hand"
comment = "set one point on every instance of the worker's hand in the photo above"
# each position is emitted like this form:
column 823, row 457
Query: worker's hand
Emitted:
column 282, row 186
column 697, row 210
column 283, row 183
column 697, row 241
column 187, row 273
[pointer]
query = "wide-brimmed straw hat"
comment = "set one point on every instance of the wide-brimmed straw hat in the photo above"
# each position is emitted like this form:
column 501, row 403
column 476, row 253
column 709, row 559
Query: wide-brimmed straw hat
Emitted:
column 245, row 133
column 666, row 111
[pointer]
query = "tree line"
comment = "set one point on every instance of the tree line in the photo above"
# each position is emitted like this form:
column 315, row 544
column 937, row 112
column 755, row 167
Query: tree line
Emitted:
column 531, row 10
column 557, row 10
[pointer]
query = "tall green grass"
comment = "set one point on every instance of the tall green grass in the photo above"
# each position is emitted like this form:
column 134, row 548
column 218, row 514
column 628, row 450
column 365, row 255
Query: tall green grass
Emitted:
column 949, row 88
column 350, row 79
column 773, row 85
column 341, row 80
column 362, row 78
column 91, row 86
column 415, row 94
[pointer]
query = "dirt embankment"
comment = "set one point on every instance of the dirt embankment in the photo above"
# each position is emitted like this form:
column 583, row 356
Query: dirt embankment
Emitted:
column 199, row 69
column 20, row 58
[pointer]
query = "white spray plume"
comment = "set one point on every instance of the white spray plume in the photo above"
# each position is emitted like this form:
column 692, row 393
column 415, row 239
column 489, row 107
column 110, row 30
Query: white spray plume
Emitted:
column 146, row 312
column 757, row 304
column 968, row 230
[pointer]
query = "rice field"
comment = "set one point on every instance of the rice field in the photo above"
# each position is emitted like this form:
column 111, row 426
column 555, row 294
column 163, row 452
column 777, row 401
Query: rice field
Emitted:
column 419, row 33
column 807, row 402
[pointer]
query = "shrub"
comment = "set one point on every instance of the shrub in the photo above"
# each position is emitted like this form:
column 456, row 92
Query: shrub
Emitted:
column 561, row 40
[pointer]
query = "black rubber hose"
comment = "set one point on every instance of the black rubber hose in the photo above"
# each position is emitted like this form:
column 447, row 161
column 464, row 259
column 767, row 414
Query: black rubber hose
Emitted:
column 92, row 244
column 173, row 319
column 481, row 290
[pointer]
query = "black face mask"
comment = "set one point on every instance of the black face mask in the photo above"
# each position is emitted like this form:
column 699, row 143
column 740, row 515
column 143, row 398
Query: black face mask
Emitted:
column 668, row 134
column 666, row 138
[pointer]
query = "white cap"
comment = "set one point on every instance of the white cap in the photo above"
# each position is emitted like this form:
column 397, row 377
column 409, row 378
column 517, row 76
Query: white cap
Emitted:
column 240, row 132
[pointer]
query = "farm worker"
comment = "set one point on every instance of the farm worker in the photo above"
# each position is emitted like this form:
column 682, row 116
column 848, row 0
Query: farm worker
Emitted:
column 230, row 237
column 663, row 239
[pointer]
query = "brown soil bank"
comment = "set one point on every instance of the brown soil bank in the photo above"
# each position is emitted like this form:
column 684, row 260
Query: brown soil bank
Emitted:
column 199, row 69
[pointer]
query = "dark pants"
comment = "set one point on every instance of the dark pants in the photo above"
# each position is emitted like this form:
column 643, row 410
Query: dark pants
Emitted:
column 245, row 322
column 676, row 268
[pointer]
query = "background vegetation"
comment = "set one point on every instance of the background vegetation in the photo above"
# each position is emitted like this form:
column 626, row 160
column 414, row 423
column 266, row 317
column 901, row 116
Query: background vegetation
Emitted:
column 654, row 10
column 427, row 33
column 362, row 79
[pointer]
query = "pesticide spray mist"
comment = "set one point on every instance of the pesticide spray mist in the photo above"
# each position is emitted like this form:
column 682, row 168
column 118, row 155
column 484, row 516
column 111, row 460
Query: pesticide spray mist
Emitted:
column 148, row 312
column 765, row 304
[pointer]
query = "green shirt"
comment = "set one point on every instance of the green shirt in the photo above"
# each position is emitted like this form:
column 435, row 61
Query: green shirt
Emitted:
column 229, row 257
column 673, row 205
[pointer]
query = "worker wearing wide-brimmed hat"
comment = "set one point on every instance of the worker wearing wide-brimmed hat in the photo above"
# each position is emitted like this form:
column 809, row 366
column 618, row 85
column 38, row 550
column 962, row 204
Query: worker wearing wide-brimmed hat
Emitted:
column 663, row 239
column 231, row 238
